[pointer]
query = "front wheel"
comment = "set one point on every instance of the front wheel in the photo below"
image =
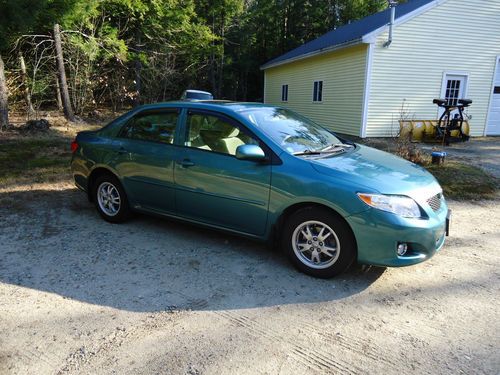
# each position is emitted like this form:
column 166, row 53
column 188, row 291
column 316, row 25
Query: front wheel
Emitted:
column 318, row 242
column 110, row 199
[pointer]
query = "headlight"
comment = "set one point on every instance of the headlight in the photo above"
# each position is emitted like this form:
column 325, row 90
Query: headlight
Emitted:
column 397, row 204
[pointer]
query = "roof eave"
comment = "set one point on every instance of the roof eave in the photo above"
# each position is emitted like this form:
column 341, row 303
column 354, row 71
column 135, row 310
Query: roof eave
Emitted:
column 314, row 53
column 368, row 38
column 372, row 36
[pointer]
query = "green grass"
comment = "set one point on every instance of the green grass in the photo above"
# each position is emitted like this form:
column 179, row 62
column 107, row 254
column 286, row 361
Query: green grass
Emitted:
column 33, row 159
column 464, row 182
column 459, row 180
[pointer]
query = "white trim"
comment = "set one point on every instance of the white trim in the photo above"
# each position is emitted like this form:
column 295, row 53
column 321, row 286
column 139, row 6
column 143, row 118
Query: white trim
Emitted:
column 454, row 73
column 313, row 53
column 442, row 95
column 372, row 36
column 366, row 93
column 495, row 72
column 367, row 38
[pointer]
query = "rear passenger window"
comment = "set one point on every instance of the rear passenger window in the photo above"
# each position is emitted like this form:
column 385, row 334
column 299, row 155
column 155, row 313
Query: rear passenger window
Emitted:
column 153, row 127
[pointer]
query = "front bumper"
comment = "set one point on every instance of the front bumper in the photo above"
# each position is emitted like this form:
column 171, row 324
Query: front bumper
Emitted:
column 378, row 234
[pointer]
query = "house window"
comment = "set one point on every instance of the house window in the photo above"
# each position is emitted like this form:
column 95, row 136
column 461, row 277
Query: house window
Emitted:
column 318, row 91
column 284, row 93
column 452, row 94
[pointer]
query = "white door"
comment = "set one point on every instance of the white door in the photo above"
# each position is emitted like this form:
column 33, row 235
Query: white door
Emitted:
column 454, row 87
column 493, row 126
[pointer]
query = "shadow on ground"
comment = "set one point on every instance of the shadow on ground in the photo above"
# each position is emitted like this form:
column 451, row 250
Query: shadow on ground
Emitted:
column 54, row 241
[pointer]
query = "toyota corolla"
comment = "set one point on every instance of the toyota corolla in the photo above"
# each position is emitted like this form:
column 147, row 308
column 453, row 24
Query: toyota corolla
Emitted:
column 268, row 173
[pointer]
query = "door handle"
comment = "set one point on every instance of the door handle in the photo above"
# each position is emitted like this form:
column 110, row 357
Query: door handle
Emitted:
column 185, row 163
column 122, row 151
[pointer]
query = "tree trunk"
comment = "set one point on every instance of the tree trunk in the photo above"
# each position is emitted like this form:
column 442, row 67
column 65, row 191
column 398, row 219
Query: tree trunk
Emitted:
column 212, row 64
column 4, row 104
column 25, row 86
column 68, row 111
column 58, row 95
column 221, row 67
column 138, row 69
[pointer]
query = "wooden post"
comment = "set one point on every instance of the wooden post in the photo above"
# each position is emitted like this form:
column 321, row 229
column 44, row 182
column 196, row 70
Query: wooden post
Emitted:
column 24, row 84
column 68, row 111
column 4, row 102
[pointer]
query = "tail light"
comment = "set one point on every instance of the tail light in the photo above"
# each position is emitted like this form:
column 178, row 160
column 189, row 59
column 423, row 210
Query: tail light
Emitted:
column 74, row 146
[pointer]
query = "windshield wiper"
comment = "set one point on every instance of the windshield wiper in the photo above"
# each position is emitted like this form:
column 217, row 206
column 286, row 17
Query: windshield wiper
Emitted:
column 340, row 146
column 331, row 149
column 307, row 152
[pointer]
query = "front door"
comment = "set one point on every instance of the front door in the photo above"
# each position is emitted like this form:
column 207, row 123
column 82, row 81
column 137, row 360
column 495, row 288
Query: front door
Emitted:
column 215, row 187
column 145, row 156
column 493, row 126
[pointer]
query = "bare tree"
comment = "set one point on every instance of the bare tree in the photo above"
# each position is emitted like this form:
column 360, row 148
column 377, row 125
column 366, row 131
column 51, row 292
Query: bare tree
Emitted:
column 4, row 104
column 68, row 111
column 25, row 86
column 58, row 95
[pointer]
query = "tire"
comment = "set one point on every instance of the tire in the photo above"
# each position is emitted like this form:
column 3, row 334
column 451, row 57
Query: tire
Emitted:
column 112, row 204
column 313, row 251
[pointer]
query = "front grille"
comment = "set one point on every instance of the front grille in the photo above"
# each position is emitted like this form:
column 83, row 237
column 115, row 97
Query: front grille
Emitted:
column 435, row 202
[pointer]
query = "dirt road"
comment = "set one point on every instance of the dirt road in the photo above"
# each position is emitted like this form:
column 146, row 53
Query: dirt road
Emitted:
column 81, row 296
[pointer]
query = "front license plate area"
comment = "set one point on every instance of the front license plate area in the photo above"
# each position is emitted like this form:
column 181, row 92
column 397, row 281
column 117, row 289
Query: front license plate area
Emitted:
column 448, row 222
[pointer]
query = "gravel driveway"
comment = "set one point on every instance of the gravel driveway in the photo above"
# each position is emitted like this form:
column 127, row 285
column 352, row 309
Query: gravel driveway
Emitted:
column 79, row 295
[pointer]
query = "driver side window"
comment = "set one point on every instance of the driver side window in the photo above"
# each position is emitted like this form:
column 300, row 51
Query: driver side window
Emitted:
column 215, row 134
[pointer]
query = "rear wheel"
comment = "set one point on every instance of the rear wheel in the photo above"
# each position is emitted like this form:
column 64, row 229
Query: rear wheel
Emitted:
column 318, row 242
column 110, row 199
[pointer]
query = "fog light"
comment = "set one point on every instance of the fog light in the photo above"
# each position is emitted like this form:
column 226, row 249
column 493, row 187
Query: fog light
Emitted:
column 402, row 248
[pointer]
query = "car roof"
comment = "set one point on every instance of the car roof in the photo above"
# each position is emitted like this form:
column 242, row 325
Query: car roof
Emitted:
column 198, row 92
column 221, row 105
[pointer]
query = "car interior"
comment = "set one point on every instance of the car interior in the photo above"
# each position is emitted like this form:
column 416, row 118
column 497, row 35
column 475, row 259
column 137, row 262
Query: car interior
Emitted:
column 212, row 133
column 203, row 131
column 153, row 127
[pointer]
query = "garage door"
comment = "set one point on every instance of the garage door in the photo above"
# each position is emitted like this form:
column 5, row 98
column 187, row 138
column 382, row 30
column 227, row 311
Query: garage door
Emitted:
column 493, row 127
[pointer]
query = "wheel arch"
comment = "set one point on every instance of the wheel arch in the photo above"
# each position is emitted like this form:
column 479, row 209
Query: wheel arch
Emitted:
column 94, row 174
column 290, row 210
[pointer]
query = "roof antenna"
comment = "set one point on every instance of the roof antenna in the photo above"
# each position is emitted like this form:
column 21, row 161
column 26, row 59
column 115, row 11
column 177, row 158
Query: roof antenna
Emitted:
column 392, row 6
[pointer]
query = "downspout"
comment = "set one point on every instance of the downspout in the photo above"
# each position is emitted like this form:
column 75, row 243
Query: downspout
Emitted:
column 392, row 6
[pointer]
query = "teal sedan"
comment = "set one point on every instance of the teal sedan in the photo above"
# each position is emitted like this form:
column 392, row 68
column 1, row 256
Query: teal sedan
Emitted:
column 268, row 173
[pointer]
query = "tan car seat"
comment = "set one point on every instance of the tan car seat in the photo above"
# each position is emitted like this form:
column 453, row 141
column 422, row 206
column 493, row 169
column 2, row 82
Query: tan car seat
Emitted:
column 231, row 142
column 194, row 137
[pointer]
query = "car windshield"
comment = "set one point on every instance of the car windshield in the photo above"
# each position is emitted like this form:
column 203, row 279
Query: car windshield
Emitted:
column 295, row 133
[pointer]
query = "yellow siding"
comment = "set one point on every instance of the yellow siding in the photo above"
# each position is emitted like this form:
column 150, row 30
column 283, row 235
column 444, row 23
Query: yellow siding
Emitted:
column 457, row 35
column 343, row 75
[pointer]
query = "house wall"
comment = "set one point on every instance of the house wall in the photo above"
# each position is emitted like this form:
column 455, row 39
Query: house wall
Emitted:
column 343, row 75
column 457, row 35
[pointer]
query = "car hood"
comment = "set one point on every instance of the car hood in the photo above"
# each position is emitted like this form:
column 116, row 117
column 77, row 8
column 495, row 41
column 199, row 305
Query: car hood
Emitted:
column 378, row 171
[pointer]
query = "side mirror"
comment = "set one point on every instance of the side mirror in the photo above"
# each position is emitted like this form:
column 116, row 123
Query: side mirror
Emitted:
column 250, row 152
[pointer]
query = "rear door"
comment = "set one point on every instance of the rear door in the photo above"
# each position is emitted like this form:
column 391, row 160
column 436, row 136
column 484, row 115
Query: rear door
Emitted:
column 212, row 185
column 454, row 88
column 145, row 155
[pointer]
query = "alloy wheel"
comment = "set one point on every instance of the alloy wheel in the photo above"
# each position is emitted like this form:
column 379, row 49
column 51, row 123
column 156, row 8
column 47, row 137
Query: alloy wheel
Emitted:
column 316, row 244
column 108, row 198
